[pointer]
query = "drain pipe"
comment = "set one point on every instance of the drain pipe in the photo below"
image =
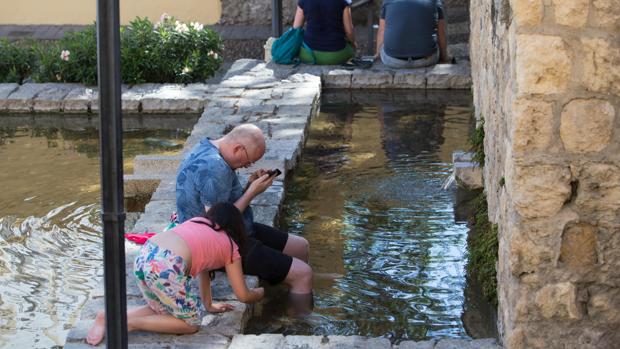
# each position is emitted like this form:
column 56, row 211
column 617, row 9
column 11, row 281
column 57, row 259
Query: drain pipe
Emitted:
column 111, row 146
column 276, row 18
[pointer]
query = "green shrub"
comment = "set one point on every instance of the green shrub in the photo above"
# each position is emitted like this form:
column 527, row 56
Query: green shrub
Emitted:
column 483, row 247
column 168, row 51
column 16, row 60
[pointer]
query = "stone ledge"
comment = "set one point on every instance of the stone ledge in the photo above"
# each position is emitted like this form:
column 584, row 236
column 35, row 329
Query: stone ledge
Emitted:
column 78, row 98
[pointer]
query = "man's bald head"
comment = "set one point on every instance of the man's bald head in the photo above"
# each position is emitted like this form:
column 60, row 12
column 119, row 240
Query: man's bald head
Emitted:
column 247, row 140
column 248, row 134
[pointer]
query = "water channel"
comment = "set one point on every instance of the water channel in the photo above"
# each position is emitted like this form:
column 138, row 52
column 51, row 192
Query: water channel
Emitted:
column 388, row 253
column 50, row 235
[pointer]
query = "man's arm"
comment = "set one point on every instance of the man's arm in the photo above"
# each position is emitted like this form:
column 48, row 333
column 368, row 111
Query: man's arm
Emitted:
column 380, row 33
column 442, row 41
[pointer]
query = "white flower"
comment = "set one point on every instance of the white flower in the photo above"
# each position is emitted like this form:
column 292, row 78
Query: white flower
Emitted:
column 157, row 25
column 215, row 56
column 164, row 17
column 181, row 27
column 58, row 77
column 186, row 70
column 64, row 55
column 197, row 26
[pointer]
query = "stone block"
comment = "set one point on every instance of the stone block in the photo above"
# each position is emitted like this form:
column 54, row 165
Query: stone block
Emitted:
column 265, row 214
column 606, row 14
column 451, row 343
column 527, row 12
column 449, row 76
column 410, row 78
column 586, row 125
column 175, row 98
column 241, row 66
column 263, row 341
column 558, row 301
column 295, row 342
column 430, row 344
column 160, row 208
column 131, row 97
column 538, row 190
column 80, row 100
column 159, row 165
column 50, row 99
column 228, row 92
column 601, row 65
column 532, row 126
column 152, row 224
column 366, row 78
column 201, row 339
column 460, row 51
column 138, row 185
column 599, row 188
column 572, row 13
column 5, row 91
column 229, row 323
column 337, row 78
column 166, row 189
column 295, row 110
column 579, row 247
column 274, row 195
column 358, row 342
column 468, row 175
column 540, row 73
column 22, row 99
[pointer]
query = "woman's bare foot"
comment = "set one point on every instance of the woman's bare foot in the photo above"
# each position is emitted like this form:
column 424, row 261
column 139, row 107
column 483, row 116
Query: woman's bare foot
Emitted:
column 97, row 331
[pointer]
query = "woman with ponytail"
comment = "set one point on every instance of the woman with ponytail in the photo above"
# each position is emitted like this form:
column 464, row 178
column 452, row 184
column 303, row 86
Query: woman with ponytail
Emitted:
column 169, row 261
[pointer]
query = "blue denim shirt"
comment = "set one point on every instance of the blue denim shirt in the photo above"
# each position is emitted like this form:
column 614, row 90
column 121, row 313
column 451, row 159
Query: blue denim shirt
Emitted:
column 204, row 179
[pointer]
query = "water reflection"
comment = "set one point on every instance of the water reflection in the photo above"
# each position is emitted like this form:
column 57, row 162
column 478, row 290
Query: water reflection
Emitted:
column 367, row 194
column 50, row 235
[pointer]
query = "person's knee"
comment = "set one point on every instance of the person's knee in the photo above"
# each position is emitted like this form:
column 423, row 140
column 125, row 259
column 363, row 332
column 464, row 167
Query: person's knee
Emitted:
column 299, row 277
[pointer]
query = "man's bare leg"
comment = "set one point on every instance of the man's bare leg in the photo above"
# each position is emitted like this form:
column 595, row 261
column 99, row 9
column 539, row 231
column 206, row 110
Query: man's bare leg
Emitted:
column 297, row 247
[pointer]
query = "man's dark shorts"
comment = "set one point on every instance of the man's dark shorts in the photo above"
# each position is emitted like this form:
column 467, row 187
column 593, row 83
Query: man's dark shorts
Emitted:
column 264, row 257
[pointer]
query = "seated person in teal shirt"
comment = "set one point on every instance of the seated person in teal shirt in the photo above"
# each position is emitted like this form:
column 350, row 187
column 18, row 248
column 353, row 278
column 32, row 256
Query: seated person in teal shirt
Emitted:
column 412, row 33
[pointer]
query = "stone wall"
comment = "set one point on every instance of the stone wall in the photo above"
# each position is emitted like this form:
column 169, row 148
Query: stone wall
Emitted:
column 254, row 12
column 546, row 79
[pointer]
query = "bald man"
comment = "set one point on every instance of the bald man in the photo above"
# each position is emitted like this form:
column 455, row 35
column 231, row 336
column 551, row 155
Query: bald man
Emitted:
column 207, row 176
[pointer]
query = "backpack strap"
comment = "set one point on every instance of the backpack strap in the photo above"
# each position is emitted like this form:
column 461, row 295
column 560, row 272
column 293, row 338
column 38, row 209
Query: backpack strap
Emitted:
column 307, row 48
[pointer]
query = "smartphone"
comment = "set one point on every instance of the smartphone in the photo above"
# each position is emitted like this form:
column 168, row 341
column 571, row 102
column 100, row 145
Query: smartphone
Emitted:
column 274, row 173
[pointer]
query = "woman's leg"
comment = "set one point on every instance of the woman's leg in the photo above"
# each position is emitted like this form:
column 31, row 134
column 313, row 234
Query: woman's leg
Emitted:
column 141, row 318
column 97, row 330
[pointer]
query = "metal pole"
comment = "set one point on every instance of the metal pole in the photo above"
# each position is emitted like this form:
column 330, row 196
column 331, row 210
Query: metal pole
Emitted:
column 276, row 18
column 110, row 133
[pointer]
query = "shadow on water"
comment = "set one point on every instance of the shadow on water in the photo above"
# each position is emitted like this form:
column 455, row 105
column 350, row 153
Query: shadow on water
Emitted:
column 388, row 255
column 50, row 235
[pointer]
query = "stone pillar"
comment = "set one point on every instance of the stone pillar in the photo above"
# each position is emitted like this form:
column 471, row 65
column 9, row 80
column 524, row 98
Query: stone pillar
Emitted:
column 546, row 77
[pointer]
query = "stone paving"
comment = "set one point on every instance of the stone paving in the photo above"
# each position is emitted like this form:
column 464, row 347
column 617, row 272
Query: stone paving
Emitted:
column 281, row 100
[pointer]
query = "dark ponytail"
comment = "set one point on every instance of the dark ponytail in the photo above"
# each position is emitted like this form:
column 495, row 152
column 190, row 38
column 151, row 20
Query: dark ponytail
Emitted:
column 227, row 217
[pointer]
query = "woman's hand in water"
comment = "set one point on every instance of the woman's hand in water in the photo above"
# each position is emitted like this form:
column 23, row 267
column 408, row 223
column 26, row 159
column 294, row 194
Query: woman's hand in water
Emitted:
column 220, row 307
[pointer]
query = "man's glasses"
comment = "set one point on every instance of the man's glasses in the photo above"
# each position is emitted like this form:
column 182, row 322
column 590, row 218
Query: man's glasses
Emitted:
column 247, row 156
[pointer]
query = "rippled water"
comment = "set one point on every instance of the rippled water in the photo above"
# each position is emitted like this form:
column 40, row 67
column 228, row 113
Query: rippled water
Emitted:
column 388, row 255
column 50, row 234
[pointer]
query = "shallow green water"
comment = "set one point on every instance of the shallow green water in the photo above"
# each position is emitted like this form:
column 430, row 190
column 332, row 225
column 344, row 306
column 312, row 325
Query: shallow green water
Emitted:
column 50, row 235
column 388, row 256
